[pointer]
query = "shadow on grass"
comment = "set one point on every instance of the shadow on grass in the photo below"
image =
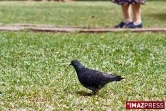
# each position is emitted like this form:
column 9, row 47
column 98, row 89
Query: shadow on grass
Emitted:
column 82, row 93
column 159, row 16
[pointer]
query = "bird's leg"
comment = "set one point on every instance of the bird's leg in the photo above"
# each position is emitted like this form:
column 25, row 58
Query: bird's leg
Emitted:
column 95, row 92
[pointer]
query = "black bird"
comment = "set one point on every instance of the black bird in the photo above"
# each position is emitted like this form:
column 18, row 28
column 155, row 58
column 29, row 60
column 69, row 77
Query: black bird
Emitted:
column 92, row 79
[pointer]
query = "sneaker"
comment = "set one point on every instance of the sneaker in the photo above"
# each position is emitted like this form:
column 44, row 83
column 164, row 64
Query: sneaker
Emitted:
column 120, row 25
column 132, row 25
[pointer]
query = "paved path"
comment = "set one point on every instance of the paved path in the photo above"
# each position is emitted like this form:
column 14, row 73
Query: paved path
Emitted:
column 51, row 28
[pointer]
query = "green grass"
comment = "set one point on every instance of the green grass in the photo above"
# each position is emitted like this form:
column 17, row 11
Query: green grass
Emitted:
column 34, row 71
column 84, row 14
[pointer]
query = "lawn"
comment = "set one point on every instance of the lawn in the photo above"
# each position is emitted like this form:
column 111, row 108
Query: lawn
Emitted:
column 84, row 14
column 34, row 71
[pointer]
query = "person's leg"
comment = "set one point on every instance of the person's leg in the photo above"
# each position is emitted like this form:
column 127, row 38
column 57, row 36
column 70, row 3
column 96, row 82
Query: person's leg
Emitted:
column 137, row 22
column 126, row 14
column 136, row 13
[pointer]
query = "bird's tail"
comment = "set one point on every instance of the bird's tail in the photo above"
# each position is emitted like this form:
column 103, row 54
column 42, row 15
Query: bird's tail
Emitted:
column 118, row 78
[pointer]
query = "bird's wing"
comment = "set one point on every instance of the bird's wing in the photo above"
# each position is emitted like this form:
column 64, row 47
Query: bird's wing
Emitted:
column 101, row 78
column 94, row 78
column 89, row 77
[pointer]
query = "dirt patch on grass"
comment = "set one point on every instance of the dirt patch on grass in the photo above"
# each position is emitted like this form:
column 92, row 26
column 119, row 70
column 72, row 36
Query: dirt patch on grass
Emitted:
column 70, row 29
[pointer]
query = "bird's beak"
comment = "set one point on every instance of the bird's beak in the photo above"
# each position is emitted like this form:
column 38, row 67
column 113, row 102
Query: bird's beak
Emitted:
column 69, row 64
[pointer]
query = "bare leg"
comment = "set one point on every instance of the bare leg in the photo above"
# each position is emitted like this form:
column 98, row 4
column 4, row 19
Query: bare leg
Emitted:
column 126, row 13
column 127, row 16
column 136, row 13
